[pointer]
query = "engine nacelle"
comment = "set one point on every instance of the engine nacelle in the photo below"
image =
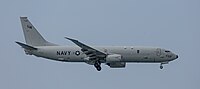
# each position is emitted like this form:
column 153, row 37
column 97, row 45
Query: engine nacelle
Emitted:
column 114, row 61
column 117, row 64
column 113, row 58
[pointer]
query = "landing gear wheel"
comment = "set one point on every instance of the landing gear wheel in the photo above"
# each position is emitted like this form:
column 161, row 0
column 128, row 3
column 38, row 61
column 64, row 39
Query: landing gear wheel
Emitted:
column 99, row 68
column 97, row 65
column 161, row 67
column 161, row 64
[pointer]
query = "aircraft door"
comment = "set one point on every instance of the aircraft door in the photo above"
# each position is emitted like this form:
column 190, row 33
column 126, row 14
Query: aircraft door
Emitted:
column 158, row 51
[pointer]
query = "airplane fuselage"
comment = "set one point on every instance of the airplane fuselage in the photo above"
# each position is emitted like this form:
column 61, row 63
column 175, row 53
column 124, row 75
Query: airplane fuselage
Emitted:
column 128, row 53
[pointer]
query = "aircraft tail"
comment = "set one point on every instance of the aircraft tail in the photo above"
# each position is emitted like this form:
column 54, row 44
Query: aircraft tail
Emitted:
column 32, row 36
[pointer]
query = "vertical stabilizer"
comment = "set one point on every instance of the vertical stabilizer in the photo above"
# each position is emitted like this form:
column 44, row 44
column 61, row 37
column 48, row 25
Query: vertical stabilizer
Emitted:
column 32, row 36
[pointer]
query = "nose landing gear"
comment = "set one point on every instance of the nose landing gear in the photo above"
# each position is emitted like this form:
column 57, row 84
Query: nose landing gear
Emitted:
column 161, row 64
column 161, row 67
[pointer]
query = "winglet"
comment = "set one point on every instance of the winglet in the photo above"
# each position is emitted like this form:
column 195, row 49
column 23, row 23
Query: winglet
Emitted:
column 25, row 46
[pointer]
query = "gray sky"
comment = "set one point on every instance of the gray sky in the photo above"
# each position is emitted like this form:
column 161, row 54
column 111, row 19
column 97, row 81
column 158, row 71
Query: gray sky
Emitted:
column 170, row 24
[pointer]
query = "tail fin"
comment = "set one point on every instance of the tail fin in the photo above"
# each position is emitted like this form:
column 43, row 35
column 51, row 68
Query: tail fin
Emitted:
column 32, row 36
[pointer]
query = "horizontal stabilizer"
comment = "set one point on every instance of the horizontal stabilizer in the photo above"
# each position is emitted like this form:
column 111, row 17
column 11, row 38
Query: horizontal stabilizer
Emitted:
column 25, row 46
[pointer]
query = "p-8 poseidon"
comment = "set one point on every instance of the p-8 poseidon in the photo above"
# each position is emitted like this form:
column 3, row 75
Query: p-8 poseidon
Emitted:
column 113, row 56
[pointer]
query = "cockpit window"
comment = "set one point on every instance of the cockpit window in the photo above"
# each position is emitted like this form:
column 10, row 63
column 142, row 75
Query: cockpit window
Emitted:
column 167, row 51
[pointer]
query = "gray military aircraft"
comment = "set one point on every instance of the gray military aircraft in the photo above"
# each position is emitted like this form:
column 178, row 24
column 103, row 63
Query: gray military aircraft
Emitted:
column 113, row 56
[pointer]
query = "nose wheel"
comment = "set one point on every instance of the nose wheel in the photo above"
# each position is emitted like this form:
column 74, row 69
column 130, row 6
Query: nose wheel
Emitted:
column 161, row 67
column 161, row 64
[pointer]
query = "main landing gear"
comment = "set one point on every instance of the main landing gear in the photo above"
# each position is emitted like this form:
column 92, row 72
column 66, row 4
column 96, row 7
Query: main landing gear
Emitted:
column 97, row 65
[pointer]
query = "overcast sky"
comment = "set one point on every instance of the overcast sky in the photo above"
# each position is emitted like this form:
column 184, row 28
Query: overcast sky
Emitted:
column 170, row 24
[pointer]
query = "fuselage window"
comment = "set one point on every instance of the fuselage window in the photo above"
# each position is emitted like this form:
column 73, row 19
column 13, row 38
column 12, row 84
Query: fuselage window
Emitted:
column 138, row 51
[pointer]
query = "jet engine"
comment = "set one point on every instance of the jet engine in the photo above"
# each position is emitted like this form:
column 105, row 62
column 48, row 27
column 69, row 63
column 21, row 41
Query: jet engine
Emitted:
column 113, row 58
column 117, row 64
column 114, row 61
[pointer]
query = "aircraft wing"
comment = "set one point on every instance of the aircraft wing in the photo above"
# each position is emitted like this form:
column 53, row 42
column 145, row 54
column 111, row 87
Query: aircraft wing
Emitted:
column 89, row 51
